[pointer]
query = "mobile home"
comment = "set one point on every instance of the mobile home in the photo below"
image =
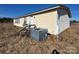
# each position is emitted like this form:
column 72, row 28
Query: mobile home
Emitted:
column 56, row 19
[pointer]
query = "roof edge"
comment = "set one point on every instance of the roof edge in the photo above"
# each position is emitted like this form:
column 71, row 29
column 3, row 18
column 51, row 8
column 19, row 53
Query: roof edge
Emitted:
column 48, row 9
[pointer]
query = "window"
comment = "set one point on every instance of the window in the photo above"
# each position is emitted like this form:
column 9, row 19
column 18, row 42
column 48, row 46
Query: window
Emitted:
column 24, row 22
column 17, row 20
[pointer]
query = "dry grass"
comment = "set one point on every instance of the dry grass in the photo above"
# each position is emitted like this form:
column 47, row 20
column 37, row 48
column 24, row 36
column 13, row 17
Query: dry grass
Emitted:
column 9, row 43
column 70, row 39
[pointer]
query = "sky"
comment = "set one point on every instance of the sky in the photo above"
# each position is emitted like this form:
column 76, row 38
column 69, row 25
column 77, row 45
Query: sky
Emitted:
column 14, row 10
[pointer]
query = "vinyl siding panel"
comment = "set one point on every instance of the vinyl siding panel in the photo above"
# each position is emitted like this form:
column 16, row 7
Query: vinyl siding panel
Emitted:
column 64, row 20
column 48, row 21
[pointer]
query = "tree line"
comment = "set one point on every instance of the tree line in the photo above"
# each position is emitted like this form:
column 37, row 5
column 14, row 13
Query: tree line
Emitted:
column 6, row 19
column 74, row 21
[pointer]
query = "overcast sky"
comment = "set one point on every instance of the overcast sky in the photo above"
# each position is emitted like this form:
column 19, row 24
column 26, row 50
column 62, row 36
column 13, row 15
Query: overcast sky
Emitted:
column 14, row 10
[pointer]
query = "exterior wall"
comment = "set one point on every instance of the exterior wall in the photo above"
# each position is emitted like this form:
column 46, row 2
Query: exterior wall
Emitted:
column 25, row 21
column 19, row 24
column 63, row 21
column 55, row 21
column 48, row 21
column 30, row 20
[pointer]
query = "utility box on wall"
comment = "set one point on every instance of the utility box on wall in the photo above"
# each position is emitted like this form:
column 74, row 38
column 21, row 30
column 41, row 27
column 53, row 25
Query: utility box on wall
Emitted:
column 39, row 34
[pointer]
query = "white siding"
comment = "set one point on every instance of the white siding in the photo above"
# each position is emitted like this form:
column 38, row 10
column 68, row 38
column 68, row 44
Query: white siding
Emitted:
column 55, row 21
column 19, row 24
column 63, row 21
column 30, row 20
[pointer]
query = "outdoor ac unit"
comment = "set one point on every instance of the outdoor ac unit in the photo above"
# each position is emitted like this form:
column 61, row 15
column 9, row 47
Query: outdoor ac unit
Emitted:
column 39, row 34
